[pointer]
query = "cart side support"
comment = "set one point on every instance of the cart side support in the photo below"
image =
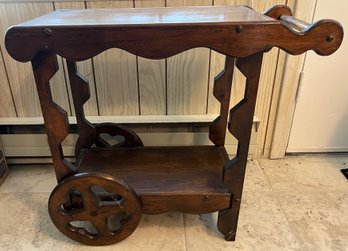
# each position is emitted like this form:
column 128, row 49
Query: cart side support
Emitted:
column 222, row 92
column 91, row 134
column 81, row 94
column 240, row 125
column 45, row 65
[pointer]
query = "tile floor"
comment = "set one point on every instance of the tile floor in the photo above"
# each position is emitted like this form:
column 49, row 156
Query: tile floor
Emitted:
column 297, row 203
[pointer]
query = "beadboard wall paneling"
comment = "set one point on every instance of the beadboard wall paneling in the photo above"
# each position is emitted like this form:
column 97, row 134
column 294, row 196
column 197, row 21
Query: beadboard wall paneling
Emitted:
column 152, row 75
column 84, row 67
column 116, row 74
column 187, row 74
column 124, row 84
column 7, row 107
column 20, row 75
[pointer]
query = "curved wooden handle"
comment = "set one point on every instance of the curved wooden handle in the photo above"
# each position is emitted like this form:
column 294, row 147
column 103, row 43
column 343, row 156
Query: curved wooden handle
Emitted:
column 324, row 36
column 277, row 11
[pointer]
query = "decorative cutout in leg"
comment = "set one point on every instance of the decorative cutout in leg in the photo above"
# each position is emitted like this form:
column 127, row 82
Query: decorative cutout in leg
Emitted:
column 88, row 133
column 94, row 209
column 45, row 65
column 240, row 125
column 222, row 92
column 81, row 94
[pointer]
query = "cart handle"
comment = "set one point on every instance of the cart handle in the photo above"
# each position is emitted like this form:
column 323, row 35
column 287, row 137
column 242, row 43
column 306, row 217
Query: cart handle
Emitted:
column 295, row 23
column 284, row 13
column 324, row 36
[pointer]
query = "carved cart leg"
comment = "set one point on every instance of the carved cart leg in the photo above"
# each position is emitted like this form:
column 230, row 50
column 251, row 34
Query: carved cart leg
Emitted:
column 56, row 120
column 80, row 92
column 89, row 134
column 222, row 92
column 240, row 125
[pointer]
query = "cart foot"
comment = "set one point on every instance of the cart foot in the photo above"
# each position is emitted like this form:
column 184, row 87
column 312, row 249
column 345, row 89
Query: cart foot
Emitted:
column 228, row 218
column 227, row 224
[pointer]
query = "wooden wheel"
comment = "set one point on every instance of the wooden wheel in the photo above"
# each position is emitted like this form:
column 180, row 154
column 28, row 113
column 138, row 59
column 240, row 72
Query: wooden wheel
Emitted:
column 94, row 209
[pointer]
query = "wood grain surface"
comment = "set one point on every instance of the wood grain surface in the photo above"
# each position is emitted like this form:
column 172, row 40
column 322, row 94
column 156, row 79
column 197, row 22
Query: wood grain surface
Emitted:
column 167, row 183
column 7, row 107
column 187, row 74
column 84, row 67
column 267, row 78
column 217, row 61
column 304, row 10
column 116, row 74
column 240, row 126
column 152, row 76
column 20, row 75
column 45, row 65
column 97, row 198
column 4, row 172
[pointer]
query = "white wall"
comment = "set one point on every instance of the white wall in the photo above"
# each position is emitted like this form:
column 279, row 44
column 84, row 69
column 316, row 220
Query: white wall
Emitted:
column 321, row 118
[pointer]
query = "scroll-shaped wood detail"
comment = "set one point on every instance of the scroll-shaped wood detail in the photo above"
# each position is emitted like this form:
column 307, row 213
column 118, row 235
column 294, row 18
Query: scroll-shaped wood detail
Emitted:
column 240, row 125
column 131, row 139
column 45, row 65
column 160, row 40
column 222, row 92
column 81, row 94
column 277, row 11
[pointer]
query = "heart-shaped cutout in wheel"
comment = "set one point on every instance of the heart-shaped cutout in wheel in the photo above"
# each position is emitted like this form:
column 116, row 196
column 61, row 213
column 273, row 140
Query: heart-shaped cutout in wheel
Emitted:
column 115, row 135
column 94, row 209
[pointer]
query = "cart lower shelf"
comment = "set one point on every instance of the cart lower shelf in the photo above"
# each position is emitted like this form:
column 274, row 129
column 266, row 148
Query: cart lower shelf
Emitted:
column 187, row 179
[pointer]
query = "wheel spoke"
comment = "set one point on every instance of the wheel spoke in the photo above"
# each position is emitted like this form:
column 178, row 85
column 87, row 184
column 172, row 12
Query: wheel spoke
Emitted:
column 78, row 216
column 101, row 225
column 88, row 198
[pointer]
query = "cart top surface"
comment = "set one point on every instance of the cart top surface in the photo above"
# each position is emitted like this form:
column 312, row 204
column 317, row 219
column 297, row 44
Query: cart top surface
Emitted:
column 150, row 16
column 158, row 33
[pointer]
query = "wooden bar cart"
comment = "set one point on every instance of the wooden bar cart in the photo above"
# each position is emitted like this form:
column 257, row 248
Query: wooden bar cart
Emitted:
column 111, row 186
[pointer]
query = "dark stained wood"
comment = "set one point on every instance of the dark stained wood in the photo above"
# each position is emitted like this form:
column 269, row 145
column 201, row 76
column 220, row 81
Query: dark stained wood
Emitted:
column 77, row 198
column 222, row 92
column 197, row 179
column 187, row 179
column 3, row 166
column 45, row 65
column 186, row 203
column 85, row 36
column 278, row 10
column 91, row 134
column 240, row 125
column 81, row 94
column 145, row 16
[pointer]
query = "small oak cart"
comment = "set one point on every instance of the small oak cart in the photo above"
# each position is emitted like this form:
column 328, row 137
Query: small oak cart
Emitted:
column 111, row 187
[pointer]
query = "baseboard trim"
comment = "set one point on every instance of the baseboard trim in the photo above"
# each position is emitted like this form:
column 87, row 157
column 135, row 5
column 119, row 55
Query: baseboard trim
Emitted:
column 33, row 148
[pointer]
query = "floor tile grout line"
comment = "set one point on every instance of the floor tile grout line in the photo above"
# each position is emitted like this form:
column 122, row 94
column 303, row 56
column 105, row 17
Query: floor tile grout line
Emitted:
column 280, row 206
column 185, row 232
column 308, row 187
